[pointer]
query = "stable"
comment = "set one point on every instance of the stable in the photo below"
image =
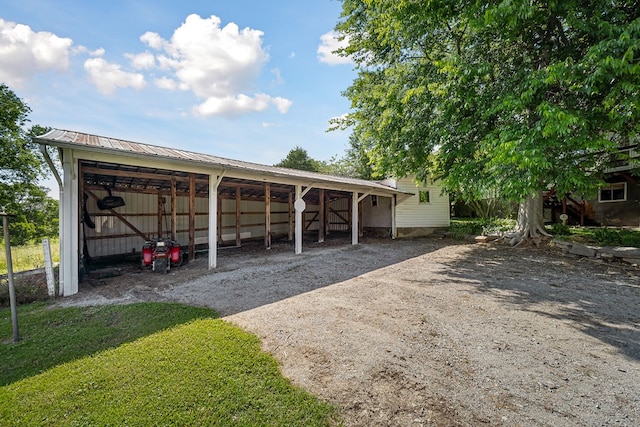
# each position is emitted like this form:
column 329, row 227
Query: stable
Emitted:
column 115, row 195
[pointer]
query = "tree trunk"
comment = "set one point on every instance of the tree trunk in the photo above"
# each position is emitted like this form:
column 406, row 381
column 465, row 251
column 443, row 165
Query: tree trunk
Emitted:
column 530, row 226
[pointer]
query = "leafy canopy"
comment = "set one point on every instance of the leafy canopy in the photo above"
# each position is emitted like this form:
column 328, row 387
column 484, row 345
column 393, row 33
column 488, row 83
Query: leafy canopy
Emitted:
column 298, row 158
column 35, row 214
column 19, row 161
column 510, row 95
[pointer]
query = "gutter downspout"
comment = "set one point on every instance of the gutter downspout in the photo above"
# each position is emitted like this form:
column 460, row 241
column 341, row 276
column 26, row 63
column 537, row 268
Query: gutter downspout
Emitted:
column 47, row 158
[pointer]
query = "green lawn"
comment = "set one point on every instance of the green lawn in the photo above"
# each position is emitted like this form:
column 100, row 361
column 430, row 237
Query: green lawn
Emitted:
column 143, row 364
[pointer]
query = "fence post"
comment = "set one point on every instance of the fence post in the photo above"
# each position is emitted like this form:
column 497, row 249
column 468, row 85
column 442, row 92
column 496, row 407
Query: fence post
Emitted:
column 48, row 267
column 12, row 289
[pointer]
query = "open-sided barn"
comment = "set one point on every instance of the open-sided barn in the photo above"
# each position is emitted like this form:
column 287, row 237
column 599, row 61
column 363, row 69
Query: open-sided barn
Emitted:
column 115, row 195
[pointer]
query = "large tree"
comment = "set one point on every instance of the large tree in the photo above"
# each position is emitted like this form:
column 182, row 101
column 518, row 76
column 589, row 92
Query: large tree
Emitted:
column 21, row 166
column 514, row 96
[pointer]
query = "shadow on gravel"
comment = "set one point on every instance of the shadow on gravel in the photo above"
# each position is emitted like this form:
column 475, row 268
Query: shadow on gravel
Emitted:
column 250, row 276
column 246, row 281
column 600, row 299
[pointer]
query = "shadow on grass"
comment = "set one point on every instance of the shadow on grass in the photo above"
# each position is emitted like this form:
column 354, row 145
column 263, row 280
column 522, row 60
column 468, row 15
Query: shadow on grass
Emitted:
column 51, row 337
column 597, row 298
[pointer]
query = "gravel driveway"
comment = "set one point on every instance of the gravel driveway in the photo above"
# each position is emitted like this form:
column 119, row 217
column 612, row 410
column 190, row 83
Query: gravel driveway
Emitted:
column 429, row 331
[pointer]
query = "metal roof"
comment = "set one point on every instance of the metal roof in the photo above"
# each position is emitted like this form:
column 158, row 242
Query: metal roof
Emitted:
column 83, row 141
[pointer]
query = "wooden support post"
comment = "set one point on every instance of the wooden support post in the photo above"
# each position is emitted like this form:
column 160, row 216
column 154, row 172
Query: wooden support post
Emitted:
column 394, row 227
column 219, row 218
column 214, row 183
column 82, row 238
column 160, row 214
column 238, row 215
column 327, row 214
column 291, row 214
column 354, row 218
column 360, row 228
column 192, row 216
column 267, row 215
column 298, row 218
column 321, row 215
column 174, row 210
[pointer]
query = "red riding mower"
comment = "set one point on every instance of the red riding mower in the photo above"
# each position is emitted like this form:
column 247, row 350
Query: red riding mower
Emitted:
column 161, row 255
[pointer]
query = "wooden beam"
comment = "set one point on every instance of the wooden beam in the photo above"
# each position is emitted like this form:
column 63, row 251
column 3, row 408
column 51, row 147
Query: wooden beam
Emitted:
column 120, row 217
column 85, row 249
column 354, row 218
column 327, row 216
column 238, row 215
column 291, row 214
column 219, row 219
column 298, row 221
column 321, row 217
column 192, row 217
column 174, row 210
column 267, row 215
column 394, row 225
column 360, row 229
column 213, row 217
column 337, row 213
column 311, row 221
column 160, row 212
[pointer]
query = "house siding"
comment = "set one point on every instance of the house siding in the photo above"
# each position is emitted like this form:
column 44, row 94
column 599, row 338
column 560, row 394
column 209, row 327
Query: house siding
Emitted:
column 415, row 218
column 619, row 213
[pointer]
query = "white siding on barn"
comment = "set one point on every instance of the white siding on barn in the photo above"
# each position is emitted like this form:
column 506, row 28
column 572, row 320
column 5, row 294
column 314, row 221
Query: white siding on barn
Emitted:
column 413, row 214
column 376, row 216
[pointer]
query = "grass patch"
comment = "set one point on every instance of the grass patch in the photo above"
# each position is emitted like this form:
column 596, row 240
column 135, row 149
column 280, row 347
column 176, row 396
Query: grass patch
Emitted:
column 600, row 236
column 28, row 257
column 604, row 236
column 199, row 371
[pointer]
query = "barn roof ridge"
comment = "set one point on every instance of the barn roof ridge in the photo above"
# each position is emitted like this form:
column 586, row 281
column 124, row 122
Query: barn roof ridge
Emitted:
column 71, row 138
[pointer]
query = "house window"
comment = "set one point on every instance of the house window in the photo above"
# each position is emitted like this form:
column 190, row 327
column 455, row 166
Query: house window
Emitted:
column 374, row 201
column 613, row 192
column 424, row 197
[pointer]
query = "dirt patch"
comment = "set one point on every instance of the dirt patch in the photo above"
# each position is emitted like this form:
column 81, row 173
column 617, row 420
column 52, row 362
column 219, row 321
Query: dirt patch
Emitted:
column 428, row 331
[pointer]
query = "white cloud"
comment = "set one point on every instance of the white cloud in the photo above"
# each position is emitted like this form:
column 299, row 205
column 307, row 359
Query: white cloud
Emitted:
column 23, row 52
column 97, row 52
column 240, row 104
column 166, row 83
column 142, row 61
column 329, row 43
column 219, row 64
column 283, row 104
column 108, row 77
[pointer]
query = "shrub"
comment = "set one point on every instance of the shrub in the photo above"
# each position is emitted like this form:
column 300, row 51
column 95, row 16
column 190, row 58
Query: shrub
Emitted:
column 480, row 226
column 560, row 230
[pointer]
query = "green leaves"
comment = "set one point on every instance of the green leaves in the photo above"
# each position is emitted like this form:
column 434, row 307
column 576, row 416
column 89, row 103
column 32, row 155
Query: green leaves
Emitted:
column 517, row 96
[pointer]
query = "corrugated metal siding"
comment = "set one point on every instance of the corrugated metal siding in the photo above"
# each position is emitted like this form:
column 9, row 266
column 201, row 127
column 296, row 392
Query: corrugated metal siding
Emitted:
column 341, row 206
column 412, row 213
column 141, row 210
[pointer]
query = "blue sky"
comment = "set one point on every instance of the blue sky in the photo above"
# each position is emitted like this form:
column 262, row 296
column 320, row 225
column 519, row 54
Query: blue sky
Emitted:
column 243, row 79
